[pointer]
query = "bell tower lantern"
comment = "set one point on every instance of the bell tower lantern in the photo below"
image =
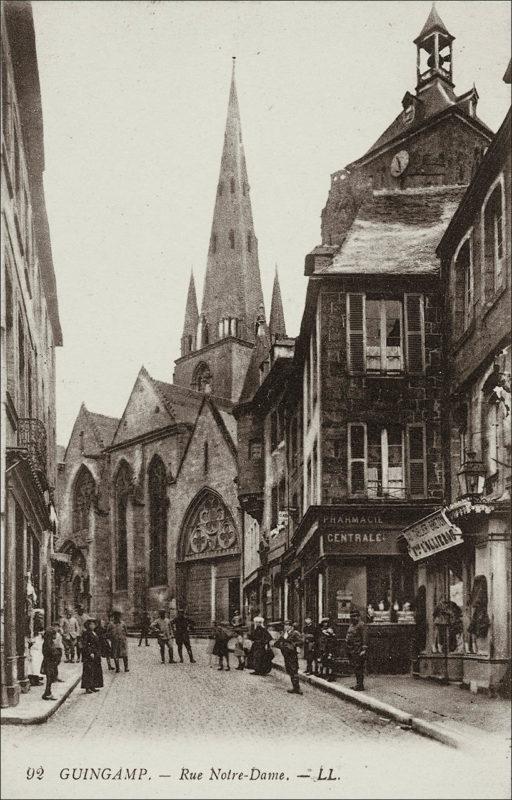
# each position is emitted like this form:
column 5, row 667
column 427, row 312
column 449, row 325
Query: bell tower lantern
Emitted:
column 434, row 52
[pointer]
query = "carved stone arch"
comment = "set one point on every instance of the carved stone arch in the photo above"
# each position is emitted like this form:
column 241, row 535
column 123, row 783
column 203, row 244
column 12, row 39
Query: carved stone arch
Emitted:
column 208, row 529
column 83, row 494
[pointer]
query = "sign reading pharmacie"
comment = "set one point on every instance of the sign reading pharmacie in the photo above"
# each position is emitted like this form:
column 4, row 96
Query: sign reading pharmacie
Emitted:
column 362, row 531
column 431, row 535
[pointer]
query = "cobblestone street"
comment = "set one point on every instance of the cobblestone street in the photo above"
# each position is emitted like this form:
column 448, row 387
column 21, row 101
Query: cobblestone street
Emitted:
column 167, row 717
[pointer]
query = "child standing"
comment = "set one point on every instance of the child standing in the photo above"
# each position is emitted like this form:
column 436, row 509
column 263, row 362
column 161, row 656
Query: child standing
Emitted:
column 220, row 647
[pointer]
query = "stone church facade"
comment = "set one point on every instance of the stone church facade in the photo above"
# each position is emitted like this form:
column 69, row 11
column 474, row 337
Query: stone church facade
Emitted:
column 148, row 504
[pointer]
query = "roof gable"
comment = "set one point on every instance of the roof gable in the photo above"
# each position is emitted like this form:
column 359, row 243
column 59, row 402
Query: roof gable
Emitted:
column 147, row 410
column 209, row 426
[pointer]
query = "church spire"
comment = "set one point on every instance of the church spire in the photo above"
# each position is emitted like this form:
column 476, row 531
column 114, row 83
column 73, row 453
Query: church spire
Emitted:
column 188, row 340
column 276, row 323
column 232, row 287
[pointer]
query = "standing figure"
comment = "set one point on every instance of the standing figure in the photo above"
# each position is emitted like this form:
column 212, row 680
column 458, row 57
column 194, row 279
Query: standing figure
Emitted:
column 181, row 626
column 326, row 649
column 163, row 629
column 81, row 617
column 287, row 643
column 70, row 634
column 236, row 619
column 239, row 650
column 220, row 647
column 105, row 648
column 310, row 633
column 92, row 673
column 50, row 663
column 357, row 645
column 145, row 627
column 118, row 639
column 260, row 638
column 59, row 646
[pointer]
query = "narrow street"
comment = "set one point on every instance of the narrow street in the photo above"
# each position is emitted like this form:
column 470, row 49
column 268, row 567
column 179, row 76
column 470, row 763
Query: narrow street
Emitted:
column 174, row 717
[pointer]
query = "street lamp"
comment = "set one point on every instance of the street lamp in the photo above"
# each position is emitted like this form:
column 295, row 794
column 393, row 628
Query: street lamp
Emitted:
column 471, row 476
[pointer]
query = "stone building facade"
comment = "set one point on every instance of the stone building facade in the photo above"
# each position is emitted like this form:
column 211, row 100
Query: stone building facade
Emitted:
column 30, row 332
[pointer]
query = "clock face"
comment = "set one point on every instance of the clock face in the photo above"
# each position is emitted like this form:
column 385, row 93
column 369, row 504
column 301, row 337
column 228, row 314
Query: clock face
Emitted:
column 399, row 163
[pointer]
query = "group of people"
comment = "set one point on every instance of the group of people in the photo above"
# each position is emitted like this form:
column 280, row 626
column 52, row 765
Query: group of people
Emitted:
column 253, row 648
column 167, row 630
column 89, row 640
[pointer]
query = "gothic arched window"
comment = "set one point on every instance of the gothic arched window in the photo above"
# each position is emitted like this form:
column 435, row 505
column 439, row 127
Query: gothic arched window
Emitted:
column 82, row 499
column 232, row 239
column 157, row 486
column 123, row 487
column 202, row 377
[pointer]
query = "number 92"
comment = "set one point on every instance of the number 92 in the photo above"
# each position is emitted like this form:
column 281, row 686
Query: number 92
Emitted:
column 35, row 772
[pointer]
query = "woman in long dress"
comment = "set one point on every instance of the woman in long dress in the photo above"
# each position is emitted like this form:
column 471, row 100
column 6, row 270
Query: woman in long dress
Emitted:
column 92, row 673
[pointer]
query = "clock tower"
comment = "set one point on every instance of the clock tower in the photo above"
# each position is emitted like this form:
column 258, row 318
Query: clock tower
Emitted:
column 437, row 139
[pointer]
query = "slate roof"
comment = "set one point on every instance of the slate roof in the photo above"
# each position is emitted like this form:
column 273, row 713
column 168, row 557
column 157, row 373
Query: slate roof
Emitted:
column 105, row 427
column 397, row 232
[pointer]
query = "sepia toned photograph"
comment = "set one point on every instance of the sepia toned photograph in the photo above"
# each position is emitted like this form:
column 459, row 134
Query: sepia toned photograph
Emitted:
column 256, row 448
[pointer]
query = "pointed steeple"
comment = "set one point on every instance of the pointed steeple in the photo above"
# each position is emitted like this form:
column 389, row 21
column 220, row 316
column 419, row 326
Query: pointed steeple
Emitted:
column 232, row 287
column 434, row 52
column 188, row 340
column 277, row 324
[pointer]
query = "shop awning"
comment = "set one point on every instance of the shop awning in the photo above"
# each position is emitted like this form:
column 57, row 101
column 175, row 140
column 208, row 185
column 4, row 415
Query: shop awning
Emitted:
column 431, row 535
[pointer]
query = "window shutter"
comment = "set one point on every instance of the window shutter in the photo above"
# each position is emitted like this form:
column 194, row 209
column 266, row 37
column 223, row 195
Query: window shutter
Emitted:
column 356, row 332
column 357, row 457
column 417, row 466
column 414, row 332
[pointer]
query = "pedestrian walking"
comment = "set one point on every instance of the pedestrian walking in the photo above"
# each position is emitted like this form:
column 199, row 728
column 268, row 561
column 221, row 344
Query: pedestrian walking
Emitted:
column 163, row 629
column 220, row 648
column 357, row 645
column 117, row 634
column 50, row 663
column 326, row 649
column 92, row 673
column 105, row 646
column 181, row 626
column 81, row 616
column 287, row 643
column 145, row 627
column 310, row 633
column 70, row 634
column 261, row 653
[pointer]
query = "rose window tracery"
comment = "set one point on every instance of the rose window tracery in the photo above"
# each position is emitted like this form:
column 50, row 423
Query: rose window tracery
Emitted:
column 210, row 530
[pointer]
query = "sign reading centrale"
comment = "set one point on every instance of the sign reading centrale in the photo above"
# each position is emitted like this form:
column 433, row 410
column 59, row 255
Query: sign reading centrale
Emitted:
column 431, row 535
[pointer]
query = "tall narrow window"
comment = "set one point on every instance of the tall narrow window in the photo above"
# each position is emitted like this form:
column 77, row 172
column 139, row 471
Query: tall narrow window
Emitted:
column 205, row 458
column 417, row 459
column 214, row 242
column 249, row 242
column 383, row 335
column 232, row 185
column 123, row 484
column 356, row 332
column 463, row 275
column 82, row 498
column 376, row 461
column 494, row 245
column 232, row 239
column 158, row 507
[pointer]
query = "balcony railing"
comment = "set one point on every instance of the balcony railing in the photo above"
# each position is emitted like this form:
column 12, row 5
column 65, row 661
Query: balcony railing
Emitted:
column 32, row 436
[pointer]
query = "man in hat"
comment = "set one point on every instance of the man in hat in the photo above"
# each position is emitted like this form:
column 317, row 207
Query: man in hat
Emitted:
column 310, row 633
column 181, row 626
column 357, row 645
column 70, row 634
column 287, row 644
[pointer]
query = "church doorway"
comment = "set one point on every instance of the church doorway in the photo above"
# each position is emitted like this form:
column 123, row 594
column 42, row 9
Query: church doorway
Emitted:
column 208, row 564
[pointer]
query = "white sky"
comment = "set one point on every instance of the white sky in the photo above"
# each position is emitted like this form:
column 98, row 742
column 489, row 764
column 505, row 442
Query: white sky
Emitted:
column 134, row 102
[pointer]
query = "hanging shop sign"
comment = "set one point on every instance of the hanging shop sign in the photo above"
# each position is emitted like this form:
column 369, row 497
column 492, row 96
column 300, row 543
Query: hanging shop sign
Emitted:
column 431, row 535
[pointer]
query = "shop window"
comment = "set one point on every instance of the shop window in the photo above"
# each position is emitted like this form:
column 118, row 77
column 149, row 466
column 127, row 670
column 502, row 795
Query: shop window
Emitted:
column 494, row 244
column 158, row 510
column 389, row 587
column 463, row 287
column 255, row 450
